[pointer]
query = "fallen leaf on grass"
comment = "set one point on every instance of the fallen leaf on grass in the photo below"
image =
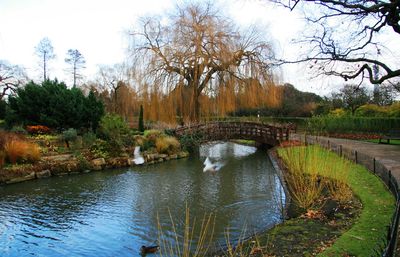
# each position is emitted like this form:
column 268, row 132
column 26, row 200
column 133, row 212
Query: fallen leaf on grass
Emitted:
column 312, row 214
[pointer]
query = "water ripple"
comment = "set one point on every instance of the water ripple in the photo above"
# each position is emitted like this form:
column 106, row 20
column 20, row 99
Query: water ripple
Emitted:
column 113, row 213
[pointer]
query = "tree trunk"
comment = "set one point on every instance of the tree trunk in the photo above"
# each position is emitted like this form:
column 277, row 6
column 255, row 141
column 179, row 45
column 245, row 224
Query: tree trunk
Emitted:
column 195, row 113
column 74, row 74
column 44, row 67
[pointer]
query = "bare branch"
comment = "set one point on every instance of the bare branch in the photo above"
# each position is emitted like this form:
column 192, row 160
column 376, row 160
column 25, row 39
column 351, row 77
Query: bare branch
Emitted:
column 11, row 77
column 345, row 37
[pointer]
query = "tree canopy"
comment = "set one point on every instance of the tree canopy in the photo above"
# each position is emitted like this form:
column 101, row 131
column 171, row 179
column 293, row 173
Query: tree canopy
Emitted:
column 54, row 105
column 198, row 51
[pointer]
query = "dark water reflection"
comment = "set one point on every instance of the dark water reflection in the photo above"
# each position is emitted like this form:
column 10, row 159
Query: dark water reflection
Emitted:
column 112, row 213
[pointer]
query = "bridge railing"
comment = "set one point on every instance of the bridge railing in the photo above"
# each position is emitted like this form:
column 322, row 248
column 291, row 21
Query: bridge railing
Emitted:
column 260, row 132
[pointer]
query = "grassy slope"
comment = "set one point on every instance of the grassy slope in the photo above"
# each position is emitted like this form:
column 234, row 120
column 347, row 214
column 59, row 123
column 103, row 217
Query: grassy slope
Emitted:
column 371, row 227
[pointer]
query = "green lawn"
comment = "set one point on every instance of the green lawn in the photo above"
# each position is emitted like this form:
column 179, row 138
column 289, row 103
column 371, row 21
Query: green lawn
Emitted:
column 392, row 141
column 368, row 232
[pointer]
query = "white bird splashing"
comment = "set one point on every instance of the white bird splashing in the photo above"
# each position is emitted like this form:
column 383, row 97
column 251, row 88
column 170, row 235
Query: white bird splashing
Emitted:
column 210, row 166
column 137, row 156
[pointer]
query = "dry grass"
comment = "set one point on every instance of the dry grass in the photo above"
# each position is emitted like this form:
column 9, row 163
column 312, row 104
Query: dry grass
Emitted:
column 242, row 248
column 198, row 241
column 184, row 247
column 167, row 145
column 152, row 134
column 17, row 150
column 2, row 158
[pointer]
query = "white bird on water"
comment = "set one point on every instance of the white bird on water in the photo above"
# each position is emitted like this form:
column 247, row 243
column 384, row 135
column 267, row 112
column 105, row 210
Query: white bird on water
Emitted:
column 209, row 166
column 137, row 157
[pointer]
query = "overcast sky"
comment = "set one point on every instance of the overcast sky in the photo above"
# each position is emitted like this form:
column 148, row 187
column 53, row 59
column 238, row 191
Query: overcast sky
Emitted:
column 97, row 28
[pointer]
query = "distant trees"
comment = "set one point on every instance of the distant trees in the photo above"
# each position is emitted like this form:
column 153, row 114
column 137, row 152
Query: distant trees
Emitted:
column 54, row 105
column 45, row 52
column 76, row 61
column 293, row 103
column 385, row 94
column 350, row 97
column 296, row 103
column 353, row 97
column 11, row 77
column 196, row 52
column 344, row 38
column 111, row 79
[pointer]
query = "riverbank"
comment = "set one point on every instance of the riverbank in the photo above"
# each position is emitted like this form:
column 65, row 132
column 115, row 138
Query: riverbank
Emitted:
column 352, row 229
column 75, row 163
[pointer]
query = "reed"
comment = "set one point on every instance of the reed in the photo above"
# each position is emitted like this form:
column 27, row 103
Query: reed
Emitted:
column 198, row 241
column 302, row 178
column 311, row 170
column 183, row 246
column 242, row 247
column 337, row 174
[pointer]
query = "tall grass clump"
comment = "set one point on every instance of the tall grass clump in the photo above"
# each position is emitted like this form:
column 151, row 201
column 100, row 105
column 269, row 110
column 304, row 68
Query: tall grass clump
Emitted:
column 301, row 177
column 21, row 151
column 167, row 145
column 152, row 134
column 310, row 170
column 197, row 240
column 188, row 245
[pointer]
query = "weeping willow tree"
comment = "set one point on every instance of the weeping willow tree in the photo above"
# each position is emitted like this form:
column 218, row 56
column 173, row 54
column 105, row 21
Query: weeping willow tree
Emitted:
column 197, row 57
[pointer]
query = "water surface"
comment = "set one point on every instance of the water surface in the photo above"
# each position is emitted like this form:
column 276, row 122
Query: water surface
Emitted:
column 113, row 213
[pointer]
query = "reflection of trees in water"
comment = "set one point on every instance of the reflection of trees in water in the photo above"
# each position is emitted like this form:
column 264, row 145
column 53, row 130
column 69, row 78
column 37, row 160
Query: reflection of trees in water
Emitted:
column 243, row 190
column 53, row 203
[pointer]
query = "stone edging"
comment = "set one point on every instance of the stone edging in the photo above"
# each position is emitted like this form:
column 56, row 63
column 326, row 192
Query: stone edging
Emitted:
column 274, row 160
column 72, row 166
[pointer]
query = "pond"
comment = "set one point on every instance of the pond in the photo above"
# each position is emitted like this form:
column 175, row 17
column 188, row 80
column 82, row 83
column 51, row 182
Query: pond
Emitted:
column 113, row 213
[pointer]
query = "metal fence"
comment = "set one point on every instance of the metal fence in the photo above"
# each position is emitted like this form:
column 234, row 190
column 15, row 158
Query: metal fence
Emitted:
column 375, row 166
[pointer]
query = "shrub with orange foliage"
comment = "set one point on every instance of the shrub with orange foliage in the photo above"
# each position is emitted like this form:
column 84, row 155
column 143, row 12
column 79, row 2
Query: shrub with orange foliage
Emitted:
column 38, row 129
column 2, row 158
column 7, row 136
column 17, row 150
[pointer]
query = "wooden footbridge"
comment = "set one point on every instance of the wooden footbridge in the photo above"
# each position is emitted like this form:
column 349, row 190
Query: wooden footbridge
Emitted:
column 263, row 134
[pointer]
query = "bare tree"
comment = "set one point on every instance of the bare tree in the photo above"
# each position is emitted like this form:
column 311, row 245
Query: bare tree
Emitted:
column 111, row 78
column 199, row 49
column 45, row 52
column 345, row 37
column 77, row 62
column 11, row 77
